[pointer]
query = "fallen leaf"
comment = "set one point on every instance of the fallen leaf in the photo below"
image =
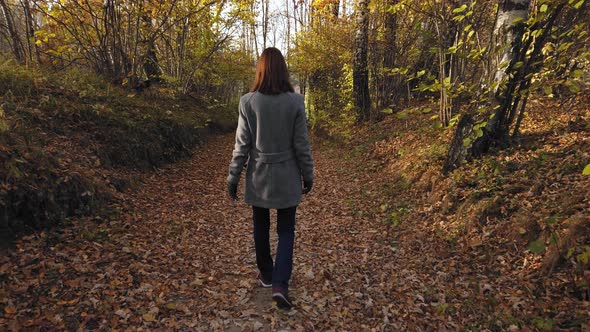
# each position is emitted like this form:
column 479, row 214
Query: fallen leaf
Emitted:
column 70, row 302
column 148, row 317
column 258, row 326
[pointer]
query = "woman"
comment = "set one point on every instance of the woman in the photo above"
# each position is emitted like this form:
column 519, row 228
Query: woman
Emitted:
column 272, row 136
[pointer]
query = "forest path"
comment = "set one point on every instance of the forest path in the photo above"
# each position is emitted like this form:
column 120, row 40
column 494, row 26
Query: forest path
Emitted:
column 180, row 256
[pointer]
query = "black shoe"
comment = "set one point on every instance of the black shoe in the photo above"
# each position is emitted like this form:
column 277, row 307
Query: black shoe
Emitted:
column 279, row 295
column 263, row 282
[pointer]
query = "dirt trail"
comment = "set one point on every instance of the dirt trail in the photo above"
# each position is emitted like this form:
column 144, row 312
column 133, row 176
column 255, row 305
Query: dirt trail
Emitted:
column 180, row 256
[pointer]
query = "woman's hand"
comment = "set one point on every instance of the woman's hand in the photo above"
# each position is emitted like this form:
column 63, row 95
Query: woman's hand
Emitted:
column 307, row 187
column 232, row 191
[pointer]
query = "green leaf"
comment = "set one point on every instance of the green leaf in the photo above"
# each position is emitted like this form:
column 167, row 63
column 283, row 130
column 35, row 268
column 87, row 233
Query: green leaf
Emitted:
column 402, row 115
column 387, row 111
column 552, row 220
column 554, row 238
column 574, row 87
column 396, row 8
column 517, row 20
column 543, row 324
column 467, row 142
column 460, row 9
column 537, row 246
column 543, row 8
column 447, row 81
column 547, row 89
column 586, row 170
column 478, row 133
column 570, row 252
column 579, row 4
column 584, row 257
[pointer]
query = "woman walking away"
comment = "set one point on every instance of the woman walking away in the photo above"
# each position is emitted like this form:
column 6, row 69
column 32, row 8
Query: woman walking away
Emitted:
column 272, row 136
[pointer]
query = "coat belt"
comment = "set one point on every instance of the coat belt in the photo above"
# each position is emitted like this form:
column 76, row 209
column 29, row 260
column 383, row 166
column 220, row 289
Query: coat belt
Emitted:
column 272, row 158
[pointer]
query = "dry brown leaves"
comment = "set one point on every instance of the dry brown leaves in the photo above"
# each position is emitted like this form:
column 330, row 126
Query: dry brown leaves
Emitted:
column 180, row 257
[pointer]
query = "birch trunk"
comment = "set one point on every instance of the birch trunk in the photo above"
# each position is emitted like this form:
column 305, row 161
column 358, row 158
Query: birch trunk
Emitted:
column 508, row 32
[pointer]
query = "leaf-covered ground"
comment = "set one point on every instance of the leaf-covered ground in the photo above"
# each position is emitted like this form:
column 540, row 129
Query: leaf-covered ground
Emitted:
column 177, row 255
column 181, row 256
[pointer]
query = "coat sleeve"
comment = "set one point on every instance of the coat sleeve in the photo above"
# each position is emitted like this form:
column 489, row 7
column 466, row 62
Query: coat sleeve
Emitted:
column 241, row 148
column 301, row 145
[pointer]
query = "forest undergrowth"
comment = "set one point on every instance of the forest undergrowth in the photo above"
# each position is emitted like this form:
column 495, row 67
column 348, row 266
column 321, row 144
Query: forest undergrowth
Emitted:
column 69, row 140
column 504, row 237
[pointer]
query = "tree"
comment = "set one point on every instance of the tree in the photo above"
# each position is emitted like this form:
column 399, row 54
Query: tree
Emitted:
column 334, row 7
column 15, row 42
column 389, row 55
column 521, row 41
column 361, row 97
column 30, row 31
column 265, row 19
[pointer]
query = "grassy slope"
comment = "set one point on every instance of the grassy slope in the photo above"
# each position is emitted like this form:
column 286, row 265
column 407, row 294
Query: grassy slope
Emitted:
column 484, row 217
column 70, row 141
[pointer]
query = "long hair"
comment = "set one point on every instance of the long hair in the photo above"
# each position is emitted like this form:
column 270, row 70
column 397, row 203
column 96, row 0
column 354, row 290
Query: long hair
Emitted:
column 272, row 76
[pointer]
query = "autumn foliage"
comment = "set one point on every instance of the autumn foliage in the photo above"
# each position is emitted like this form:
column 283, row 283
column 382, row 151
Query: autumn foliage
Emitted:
column 451, row 140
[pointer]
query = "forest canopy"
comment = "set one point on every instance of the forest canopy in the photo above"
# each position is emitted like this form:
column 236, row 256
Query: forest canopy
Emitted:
column 354, row 61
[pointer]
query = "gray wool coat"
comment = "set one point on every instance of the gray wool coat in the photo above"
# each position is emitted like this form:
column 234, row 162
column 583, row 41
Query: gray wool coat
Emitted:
column 272, row 137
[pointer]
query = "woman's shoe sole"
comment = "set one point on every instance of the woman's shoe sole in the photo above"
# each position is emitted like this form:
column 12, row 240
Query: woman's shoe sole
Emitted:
column 281, row 301
column 263, row 284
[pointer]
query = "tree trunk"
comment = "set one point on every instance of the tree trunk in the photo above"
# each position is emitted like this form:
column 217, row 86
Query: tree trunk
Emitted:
column 254, row 36
column 509, row 34
column 264, row 22
column 288, row 32
column 15, row 42
column 115, row 58
column 151, row 65
column 360, row 74
column 30, row 32
column 389, row 80
column 334, row 7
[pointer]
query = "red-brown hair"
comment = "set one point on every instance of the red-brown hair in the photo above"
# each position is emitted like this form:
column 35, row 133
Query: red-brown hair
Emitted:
column 272, row 76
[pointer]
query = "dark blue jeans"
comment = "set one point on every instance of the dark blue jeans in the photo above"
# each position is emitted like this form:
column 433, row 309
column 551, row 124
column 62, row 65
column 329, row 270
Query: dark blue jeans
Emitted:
column 281, row 272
